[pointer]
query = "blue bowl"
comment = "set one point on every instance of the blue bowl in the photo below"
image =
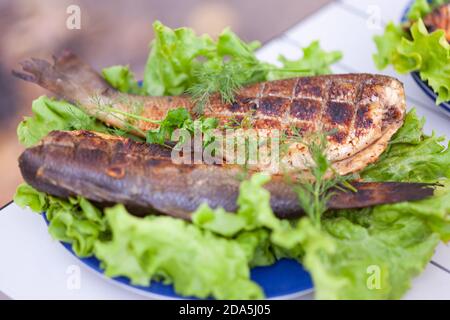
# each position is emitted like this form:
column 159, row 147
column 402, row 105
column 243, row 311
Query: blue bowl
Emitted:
column 445, row 106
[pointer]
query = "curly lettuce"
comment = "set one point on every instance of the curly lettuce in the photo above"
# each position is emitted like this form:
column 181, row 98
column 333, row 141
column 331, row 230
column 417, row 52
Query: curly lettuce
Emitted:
column 122, row 78
column 196, row 262
column 420, row 8
column 180, row 61
column 421, row 51
column 411, row 156
column 50, row 114
column 75, row 220
column 348, row 260
column 314, row 61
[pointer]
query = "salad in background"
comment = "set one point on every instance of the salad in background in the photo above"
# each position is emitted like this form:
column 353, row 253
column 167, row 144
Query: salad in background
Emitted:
column 212, row 256
column 419, row 45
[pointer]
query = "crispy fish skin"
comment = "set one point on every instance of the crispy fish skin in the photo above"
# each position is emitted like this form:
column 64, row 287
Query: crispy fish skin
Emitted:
column 109, row 170
column 364, row 110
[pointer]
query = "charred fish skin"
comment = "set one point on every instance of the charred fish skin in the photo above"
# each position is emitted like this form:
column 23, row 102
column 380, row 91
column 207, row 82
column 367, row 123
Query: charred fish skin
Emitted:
column 72, row 79
column 364, row 110
column 109, row 170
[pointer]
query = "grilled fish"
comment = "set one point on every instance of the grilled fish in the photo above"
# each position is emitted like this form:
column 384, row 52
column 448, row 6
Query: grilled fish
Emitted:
column 108, row 170
column 439, row 18
column 362, row 110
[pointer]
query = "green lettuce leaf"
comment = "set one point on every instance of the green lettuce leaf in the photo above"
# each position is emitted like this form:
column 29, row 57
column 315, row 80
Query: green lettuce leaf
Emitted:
column 49, row 115
column 173, row 57
column 121, row 78
column 387, row 45
column 254, row 213
column 352, row 261
column 27, row 196
column 435, row 211
column 411, row 156
column 258, row 247
column 179, row 60
column 197, row 262
column 418, row 10
column 315, row 61
column 74, row 220
column 218, row 221
column 427, row 53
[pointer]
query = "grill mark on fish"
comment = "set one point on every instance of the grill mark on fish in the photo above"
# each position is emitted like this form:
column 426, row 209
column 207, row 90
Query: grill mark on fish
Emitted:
column 305, row 109
column 362, row 120
column 282, row 88
column 273, row 106
column 308, row 87
column 339, row 113
column 364, row 110
column 326, row 93
column 146, row 180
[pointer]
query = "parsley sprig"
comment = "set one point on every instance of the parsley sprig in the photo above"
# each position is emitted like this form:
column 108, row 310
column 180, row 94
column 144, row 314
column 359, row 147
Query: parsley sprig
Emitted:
column 178, row 118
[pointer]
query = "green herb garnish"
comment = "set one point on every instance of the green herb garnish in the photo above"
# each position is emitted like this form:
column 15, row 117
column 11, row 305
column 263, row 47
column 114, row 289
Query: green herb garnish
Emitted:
column 314, row 196
column 224, row 79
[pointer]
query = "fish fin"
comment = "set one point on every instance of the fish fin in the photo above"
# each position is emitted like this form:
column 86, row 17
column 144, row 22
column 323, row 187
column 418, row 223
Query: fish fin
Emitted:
column 376, row 193
column 68, row 77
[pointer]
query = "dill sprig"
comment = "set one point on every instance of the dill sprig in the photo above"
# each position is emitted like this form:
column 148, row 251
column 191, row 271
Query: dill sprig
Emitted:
column 178, row 118
column 314, row 196
column 223, row 78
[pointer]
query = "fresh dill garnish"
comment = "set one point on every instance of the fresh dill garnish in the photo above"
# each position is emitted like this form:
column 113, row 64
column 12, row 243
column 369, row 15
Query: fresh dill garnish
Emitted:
column 314, row 195
column 178, row 118
column 240, row 122
column 223, row 78
column 82, row 121
column 226, row 77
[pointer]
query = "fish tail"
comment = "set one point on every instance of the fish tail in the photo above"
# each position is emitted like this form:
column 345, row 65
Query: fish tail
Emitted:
column 68, row 77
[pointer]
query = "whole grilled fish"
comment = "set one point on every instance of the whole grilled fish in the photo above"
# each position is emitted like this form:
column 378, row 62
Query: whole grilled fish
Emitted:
column 439, row 18
column 109, row 170
column 362, row 110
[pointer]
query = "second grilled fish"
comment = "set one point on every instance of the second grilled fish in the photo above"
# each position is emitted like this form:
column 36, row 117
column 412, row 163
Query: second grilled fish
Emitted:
column 109, row 170
column 364, row 110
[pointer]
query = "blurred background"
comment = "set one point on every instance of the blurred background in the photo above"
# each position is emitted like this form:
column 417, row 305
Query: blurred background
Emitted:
column 112, row 32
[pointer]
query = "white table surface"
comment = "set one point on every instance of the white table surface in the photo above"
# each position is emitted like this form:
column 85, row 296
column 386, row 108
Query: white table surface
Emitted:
column 33, row 266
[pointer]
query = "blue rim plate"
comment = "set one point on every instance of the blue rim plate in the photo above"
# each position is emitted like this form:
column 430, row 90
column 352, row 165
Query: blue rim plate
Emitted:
column 286, row 279
column 445, row 106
